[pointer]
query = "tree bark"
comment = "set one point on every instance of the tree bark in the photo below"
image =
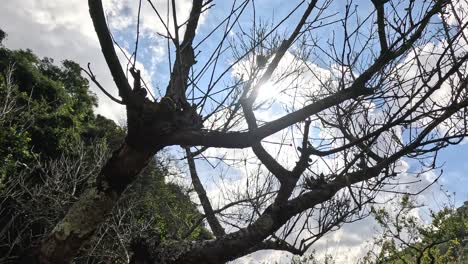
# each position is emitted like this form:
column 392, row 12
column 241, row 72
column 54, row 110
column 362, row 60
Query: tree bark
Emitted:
column 94, row 206
column 215, row 226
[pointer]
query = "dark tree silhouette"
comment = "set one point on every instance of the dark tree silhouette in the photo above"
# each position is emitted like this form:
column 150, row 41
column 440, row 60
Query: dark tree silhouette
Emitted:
column 396, row 88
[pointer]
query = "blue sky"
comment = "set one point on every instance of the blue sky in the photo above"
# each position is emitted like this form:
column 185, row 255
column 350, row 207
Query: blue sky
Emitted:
column 63, row 30
column 455, row 166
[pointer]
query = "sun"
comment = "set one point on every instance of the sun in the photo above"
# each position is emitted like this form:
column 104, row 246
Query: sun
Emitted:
column 268, row 91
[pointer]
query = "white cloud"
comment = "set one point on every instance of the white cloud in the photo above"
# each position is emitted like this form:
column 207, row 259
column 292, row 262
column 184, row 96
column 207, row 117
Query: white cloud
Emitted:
column 60, row 30
column 457, row 12
column 63, row 30
column 123, row 15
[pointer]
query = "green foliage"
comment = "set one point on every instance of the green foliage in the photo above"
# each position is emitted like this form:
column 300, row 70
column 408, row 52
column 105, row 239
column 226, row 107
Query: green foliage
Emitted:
column 312, row 258
column 172, row 208
column 52, row 110
column 102, row 127
column 14, row 139
column 149, row 208
column 2, row 36
column 407, row 240
column 57, row 96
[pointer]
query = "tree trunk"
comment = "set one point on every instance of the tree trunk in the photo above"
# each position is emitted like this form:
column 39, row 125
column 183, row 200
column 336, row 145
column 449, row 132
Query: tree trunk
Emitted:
column 94, row 205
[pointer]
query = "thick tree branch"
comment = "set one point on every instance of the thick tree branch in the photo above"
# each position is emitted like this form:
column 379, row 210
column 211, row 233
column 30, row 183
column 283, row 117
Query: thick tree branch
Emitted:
column 358, row 88
column 185, row 58
column 267, row 160
column 247, row 139
column 379, row 7
column 93, row 207
column 306, row 150
column 277, row 215
column 394, row 122
column 276, row 245
column 215, row 226
column 287, row 187
column 107, row 46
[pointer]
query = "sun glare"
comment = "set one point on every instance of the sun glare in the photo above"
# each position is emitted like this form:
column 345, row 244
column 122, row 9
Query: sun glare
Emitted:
column 268, row 91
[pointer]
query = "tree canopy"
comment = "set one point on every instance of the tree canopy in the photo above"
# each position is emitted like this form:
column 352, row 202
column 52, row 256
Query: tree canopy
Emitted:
column 406, row 239
column 317, row 113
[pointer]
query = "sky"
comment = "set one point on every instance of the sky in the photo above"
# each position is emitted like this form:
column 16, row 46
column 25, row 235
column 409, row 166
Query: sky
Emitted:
column 63, row 30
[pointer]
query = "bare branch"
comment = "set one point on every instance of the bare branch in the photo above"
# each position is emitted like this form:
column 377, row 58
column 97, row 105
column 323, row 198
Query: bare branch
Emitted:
column 216, row 227
column 97, row 14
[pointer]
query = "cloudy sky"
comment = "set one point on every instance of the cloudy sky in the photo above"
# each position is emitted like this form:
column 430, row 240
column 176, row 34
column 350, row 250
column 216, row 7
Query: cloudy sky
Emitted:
column 63, row 30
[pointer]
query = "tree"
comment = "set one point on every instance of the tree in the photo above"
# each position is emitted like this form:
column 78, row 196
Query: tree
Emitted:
column 394, row 89
column 52, row 147
column 13, row 136
column 46, row 109
column 55, row 98
column 2, row 36
column 149, row 207
column 406, row 240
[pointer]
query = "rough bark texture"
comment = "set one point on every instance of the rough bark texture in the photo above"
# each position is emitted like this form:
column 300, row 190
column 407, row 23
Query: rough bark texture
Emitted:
column 234, row 245
column 93, row 207
column 76, row 227
column 185, row 59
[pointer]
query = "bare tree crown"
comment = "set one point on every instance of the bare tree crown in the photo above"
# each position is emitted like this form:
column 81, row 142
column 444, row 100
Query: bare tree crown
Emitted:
column 386, row 86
